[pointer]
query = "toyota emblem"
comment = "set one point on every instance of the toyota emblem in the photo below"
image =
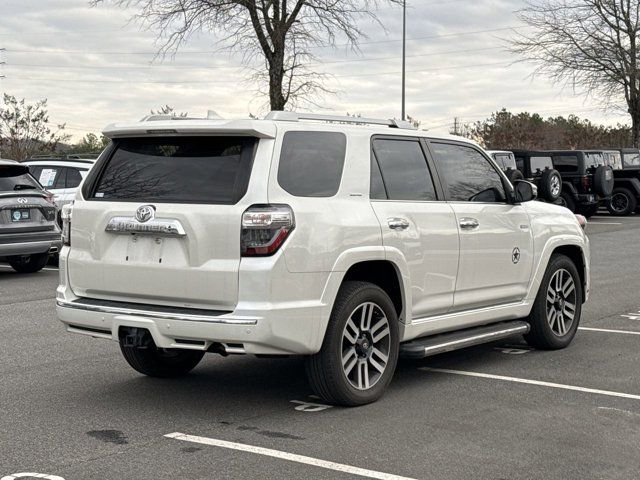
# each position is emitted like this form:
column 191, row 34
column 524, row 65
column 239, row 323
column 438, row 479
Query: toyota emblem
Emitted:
column 22, row 200
column 145, row 213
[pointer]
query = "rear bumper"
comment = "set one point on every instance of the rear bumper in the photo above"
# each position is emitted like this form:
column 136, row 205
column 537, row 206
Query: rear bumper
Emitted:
column 51, row 243
column 258, row 327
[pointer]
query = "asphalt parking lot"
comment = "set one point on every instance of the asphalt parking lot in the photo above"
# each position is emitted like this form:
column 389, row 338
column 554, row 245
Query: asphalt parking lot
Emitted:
column 71, row 408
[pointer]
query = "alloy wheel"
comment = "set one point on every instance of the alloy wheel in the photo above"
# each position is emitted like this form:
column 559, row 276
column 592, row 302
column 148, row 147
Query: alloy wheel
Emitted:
column 555, row 186
column 366, row 344
column 561, row 302
column 619, row 202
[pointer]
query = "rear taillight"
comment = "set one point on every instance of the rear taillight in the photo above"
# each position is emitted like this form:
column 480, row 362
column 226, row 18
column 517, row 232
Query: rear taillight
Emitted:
column 48, row 196
column 65, row 215
column 264, row 229
column 586, row 183
column 582, row 220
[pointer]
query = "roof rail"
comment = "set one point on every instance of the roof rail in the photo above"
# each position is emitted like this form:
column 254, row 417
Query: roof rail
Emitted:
column 296, row 117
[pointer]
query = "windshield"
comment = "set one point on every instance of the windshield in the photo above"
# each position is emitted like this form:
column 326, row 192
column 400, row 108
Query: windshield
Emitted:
column 14, row 178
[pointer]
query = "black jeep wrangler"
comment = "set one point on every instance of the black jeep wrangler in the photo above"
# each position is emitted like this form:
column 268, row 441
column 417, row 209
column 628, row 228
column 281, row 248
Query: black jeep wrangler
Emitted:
column 626, row 190
column 586, row 180
column 507, row 163
column 537, row 168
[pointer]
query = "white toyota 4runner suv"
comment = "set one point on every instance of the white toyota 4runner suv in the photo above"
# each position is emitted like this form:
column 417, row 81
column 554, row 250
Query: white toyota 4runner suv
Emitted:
column 349, row 241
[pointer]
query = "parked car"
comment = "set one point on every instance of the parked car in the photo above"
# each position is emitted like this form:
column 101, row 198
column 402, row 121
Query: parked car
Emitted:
column 625, row 198
column 350, row 241
column 630, row 158
column 586, row 181
column 613, row 158
column 507, row 162
column 29, row 232
column 61, row 176
column 537, row 167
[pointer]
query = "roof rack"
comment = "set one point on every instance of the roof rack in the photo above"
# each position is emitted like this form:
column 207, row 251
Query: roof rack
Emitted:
column 296, row 117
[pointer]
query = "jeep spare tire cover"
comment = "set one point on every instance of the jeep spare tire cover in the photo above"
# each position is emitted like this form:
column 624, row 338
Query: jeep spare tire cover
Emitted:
column 513, row 175
column 550, row 187
column 603, row 180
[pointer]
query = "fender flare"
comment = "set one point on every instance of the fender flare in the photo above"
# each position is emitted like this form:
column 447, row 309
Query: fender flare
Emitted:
column 631, row 183
column 541, row 268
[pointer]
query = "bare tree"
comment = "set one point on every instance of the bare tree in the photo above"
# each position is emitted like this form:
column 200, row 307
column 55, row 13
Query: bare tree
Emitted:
column 282, row 33
column 167, row 110
column 25, row 129
column 587, row 44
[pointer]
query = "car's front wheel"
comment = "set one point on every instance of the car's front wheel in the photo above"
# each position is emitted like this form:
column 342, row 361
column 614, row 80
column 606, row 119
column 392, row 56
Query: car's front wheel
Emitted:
column 555, row 316
column 360, row 350
column 29, row 263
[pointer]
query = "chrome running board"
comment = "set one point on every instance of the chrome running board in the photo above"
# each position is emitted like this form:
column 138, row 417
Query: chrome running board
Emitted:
column 447, row 342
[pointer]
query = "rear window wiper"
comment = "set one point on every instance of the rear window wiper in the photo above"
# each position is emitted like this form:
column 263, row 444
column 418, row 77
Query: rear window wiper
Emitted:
column 22, row 186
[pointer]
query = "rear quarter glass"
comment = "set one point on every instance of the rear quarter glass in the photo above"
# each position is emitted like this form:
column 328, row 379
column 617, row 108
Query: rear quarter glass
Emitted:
column 203, row 170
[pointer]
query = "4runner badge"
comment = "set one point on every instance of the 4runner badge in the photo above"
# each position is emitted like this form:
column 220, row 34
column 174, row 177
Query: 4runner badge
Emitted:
column 515, row 256
column 145, row 213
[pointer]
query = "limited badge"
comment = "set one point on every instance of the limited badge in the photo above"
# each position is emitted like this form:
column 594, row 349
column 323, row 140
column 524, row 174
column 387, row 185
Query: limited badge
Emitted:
column 515, row 256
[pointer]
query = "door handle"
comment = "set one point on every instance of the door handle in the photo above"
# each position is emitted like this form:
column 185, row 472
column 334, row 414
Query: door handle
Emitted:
column 469, row 223
column 398, row 223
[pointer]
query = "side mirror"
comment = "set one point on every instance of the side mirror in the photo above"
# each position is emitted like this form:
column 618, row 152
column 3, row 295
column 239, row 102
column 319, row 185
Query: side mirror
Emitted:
column 525, row 191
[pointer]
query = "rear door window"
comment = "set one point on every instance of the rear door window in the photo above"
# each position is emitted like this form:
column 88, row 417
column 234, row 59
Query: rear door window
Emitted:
column 73, row 178
column 566, row 163
column 404, row 170
column 311, row 163
column 47, row 176
column 208, row 170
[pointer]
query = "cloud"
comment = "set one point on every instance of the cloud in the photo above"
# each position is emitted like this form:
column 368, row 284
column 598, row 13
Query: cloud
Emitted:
column 95, row 66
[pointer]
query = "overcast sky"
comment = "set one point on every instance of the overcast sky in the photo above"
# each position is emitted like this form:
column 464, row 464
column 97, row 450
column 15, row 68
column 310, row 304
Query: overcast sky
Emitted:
column 95, row 67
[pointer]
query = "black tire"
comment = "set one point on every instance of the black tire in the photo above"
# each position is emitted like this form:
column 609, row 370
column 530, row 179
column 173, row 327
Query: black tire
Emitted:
column 161, row 363
column 566, row 200
column 546, row 331
column 325, row 370
column 550, row 185
column 603, row 181
column 513, row 175
column 589, row 211
column 29, row 263
column 622, row 202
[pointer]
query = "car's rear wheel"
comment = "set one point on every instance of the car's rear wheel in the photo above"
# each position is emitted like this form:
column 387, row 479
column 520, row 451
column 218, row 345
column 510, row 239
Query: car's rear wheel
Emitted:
column 556, row 312
column 360, row 350
column 160, row 362
column 623, row 202
column 566, row 200
column 29, row 263
column 589, row 211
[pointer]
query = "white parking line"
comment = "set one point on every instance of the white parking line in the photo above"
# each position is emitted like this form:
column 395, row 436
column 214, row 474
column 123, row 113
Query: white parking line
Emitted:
column 602, row 223
column 532, row 382
column 291, row 457
column 608, row 330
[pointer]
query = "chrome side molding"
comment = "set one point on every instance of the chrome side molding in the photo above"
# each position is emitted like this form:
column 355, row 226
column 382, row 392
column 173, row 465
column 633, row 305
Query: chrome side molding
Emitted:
column 157, row 226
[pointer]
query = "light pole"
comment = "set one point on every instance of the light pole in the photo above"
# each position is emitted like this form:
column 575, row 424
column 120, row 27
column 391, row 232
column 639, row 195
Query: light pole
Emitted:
column 404, row 58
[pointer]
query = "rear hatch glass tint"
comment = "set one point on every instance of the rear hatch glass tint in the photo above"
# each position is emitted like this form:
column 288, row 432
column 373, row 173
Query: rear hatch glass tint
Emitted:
column 16, row 178
column 207, row 170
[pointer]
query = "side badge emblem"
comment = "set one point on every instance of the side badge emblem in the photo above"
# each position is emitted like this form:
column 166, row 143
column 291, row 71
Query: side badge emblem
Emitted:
column 515, row 256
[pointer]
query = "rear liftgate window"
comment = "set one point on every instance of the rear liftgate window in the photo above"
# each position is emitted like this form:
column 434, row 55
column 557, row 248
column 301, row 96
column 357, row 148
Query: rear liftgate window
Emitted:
column 209, row 170
column 311, row 163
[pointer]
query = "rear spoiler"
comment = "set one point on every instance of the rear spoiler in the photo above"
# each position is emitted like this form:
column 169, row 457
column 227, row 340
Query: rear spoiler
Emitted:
column 248, row 128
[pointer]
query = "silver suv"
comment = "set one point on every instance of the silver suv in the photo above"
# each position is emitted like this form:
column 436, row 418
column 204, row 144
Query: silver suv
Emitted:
column 349, row 241
column 28, row 229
